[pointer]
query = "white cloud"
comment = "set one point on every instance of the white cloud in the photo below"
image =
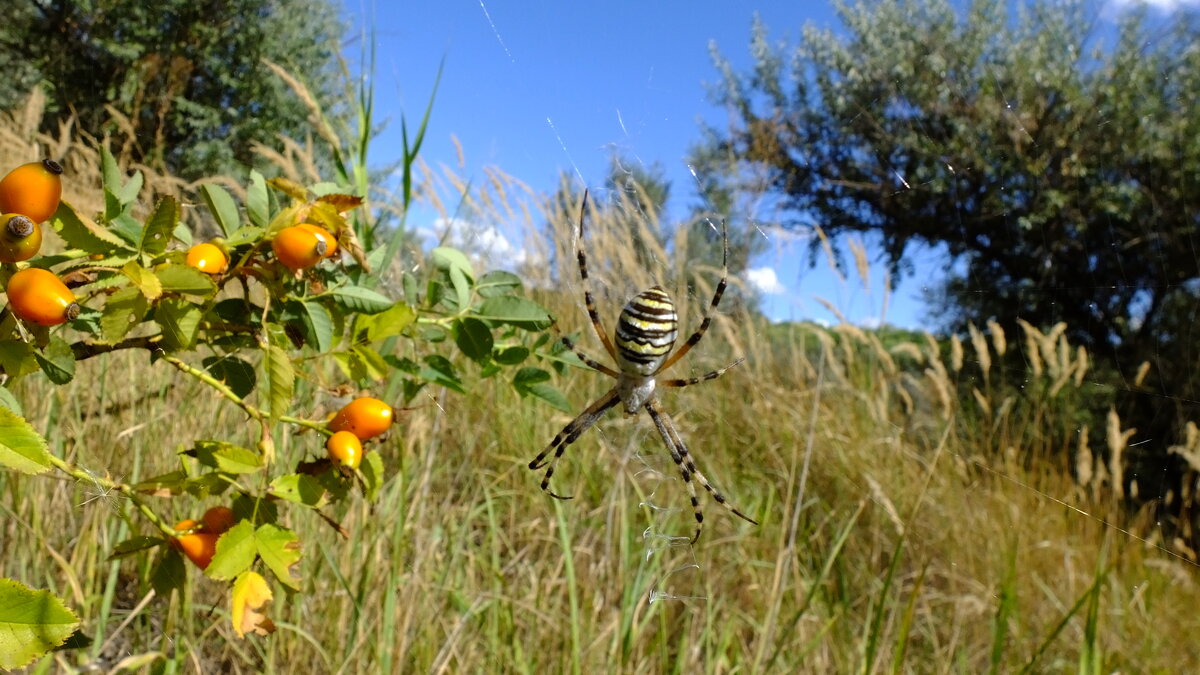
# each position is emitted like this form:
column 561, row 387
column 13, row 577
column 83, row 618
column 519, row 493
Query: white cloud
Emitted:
column 1166, row 5
column 765, row 280
column 485, row 242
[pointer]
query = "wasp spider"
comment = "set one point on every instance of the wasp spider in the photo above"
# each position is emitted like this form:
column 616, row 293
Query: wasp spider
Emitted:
column 641, row 348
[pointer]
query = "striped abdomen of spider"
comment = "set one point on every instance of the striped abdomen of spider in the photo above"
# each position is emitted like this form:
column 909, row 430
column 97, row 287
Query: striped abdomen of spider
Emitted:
column 641, row 347
column 646, row 332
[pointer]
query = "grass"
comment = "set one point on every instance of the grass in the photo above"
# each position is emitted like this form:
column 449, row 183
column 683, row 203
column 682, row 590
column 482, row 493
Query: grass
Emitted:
column 898, row 533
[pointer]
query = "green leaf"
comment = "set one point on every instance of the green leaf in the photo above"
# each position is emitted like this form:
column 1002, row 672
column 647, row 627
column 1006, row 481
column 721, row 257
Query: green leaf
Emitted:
column 258, row 202
column 159, row 226
column 281, row 380
column 145, row 279
column 497, row 283
column 439, row 370
column 178, row 278
column 226, row 457
column 222, row 207
column 515, row 311
column 236, row 550
column 474, row 339
column 299, row 488
column 124, row 310
column 390, row 322
column 446, row 258
column 21, row 448
column 57, row 361
column 372, row 473
column 511, row 356
column 235, row 373
column 16, row 358
column 462, row 288
column 169, row 573
column 319, row 325
column 125, row 226
column 179, row 321
column 31, row 623
column 7, row 400
column 244, row 235
column 135, row 545
column 83, row 234
column 359, row 299
column 531, row 381
column 279, row 548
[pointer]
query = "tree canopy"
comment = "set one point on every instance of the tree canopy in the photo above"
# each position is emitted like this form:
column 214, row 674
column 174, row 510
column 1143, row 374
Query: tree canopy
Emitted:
column 187, row 75
column 1053, row 154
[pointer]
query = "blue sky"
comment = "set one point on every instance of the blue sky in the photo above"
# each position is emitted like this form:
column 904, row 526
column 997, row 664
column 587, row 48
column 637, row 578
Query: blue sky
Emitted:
column 535, row 88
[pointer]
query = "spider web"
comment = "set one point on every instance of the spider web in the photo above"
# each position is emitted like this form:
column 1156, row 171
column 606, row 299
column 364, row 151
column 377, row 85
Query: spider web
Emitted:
column 573, row 91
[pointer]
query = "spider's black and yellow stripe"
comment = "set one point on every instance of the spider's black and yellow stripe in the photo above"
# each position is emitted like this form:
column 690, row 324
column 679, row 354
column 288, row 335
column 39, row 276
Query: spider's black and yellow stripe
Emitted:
column 646, row 332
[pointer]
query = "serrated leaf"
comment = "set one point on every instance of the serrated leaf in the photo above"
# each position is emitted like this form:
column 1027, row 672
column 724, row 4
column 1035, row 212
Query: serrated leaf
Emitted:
column 258, row 202
column 235, row 553
column 126, row 227
column 57, row 361
column 159, row 226
column 390, row 322
column 123, row 310
column 281, row 379
column 279, row 548
column 341, row 202
column 245, row 235
column 319, row 325
column 250, row 595
column 359, row 299
column 31, row 623
column 179, row 321
column 146, row 281
column 176, row 278
column 235, row 373
column 474, row 338
column 81, row 233
column 222, row 207
column 135, row 545
column 226, row 457
column 299, row 488
column 21, row 448
column 515, row 311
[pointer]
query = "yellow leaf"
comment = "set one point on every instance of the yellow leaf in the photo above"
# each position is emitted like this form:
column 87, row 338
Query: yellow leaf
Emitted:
column 250, row 594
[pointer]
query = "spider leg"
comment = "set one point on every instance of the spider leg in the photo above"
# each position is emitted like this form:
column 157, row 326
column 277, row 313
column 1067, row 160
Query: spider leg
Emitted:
column 592, row 363
column 568, row 435
column 581, row 257
column 687, row 466
column 702, row 378
column 712, row 307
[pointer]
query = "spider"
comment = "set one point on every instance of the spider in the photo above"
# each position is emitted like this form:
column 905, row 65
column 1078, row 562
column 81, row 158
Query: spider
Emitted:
column 641, row 348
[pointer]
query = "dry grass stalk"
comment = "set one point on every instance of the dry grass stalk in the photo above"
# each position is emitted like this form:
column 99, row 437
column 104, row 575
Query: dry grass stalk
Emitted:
column 983, row 402
column 1190, row 449
column 999, row 341
column 1083, row 459
column 884, row 358
column 832, row 310
column 1143, row 370
column 1032, row 347
column 888, row 507
column 982, row 354
column 1081, row 365
column 1118, row 441
column 910, row 350
column 941, row 388
column 956, row 354
column 830, row 258
column 861, row 264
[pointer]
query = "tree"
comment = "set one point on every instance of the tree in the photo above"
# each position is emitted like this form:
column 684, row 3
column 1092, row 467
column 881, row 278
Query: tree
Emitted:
column 187, row 75
column 1060, row 173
